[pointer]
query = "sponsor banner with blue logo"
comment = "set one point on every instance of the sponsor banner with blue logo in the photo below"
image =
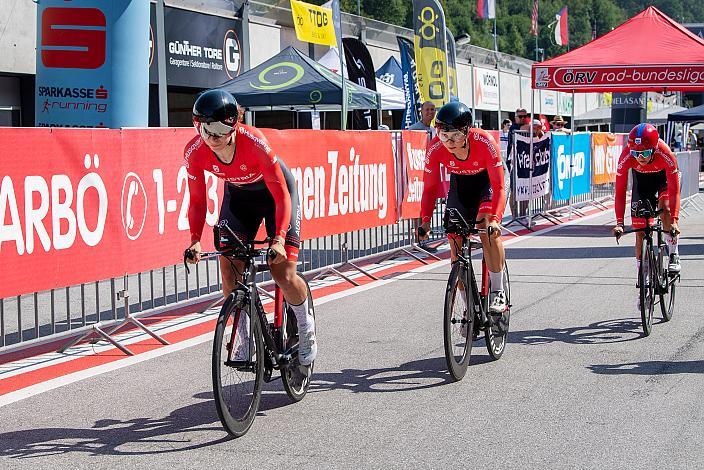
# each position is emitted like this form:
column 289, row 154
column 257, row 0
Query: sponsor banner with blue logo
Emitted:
column 581, row 174
column 531, row 179
column 92, row 61
column 410, row 83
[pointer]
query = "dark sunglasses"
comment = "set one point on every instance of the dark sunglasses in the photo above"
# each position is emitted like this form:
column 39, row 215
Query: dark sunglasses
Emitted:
column 642, row 153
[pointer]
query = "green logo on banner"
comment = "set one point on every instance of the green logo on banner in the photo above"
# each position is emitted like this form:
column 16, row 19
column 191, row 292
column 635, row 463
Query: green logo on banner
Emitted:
column 286, row 70
column 315, row 96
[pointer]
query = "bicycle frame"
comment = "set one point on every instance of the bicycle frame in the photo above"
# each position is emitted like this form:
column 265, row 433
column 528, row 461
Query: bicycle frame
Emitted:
column 276, row 358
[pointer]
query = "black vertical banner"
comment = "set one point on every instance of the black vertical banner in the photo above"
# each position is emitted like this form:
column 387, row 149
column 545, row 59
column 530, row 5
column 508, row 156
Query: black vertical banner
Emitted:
column 360, row 70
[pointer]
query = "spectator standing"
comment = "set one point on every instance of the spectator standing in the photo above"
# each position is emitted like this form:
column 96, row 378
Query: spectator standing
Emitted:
column 427, row 114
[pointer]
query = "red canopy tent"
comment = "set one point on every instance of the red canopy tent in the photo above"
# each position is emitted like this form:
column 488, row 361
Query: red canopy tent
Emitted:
column 649, row 52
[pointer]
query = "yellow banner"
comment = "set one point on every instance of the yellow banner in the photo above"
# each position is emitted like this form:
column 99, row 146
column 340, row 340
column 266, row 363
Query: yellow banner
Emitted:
column 429, row 41
column 313, row 23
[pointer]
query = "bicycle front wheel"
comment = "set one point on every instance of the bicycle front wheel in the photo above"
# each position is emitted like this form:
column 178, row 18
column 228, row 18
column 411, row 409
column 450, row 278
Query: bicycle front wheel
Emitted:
column 666, row 287
column 295, row 377
column 647, row 279
column 458, row 322
column 496, row 333
column 238, row 366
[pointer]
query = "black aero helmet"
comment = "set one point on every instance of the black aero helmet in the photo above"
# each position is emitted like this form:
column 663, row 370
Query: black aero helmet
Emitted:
column 454, row 116
column 216, row 111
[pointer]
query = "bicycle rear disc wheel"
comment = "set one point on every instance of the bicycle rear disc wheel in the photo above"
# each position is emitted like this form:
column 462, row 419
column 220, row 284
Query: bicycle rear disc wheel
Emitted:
column 496, row 333
column 647, row 283
column 237, row 389
column 458, row 317
column 295, row 377
column 666, row 288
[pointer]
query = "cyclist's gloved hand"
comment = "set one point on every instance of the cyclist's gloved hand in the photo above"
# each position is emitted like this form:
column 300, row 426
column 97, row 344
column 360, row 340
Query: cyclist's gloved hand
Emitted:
column 424, row 231
column 494, row 228
column 618, row 231
column 195, row 251
column 277, row 246
column 674, row 228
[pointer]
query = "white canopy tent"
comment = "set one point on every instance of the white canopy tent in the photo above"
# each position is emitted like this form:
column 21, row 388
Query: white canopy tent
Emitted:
column 391, row 97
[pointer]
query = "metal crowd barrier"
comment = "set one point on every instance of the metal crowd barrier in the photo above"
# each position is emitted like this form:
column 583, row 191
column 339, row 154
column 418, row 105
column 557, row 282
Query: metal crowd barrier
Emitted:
column 689, row 165
column 68, row 312
column 546, row 207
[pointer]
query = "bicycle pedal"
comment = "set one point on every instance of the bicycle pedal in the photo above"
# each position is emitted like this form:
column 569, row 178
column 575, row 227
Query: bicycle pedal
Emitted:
column 267, row 375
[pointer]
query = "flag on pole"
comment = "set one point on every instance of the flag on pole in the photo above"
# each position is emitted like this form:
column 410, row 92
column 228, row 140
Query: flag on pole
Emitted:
column 534, row 19
column 562, row 33
column 313, row 23
column 486, row 9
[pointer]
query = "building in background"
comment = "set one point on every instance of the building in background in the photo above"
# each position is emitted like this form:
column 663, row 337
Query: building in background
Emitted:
column 211, row 41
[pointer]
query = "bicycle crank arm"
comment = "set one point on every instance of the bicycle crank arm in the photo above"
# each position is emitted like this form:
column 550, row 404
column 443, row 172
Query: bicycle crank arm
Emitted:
column 242, row 365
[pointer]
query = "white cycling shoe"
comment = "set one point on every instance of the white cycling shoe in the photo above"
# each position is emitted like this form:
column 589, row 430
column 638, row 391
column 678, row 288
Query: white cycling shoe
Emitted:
column 307, row 346
column 498, row 302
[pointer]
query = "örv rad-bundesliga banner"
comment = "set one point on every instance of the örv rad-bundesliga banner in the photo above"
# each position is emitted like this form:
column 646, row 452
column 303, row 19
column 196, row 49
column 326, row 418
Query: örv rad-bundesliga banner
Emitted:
column 81, row 205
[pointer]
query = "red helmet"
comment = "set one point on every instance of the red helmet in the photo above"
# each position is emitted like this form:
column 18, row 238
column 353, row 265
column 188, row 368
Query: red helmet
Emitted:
column 643, row 137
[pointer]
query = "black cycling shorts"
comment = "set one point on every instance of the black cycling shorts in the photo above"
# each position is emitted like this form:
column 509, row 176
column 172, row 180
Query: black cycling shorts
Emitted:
column 470, row 195
column 244, row 207
column 650, row 187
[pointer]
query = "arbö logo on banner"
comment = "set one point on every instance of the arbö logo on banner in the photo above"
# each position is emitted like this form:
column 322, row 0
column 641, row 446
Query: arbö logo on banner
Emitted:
column 563, row 165
column 133, row 206
column 73, row 38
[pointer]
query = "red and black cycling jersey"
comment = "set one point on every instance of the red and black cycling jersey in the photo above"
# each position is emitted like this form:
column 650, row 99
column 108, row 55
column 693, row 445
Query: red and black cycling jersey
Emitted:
column 254, row 163
column 484, row 155
column 663, row 160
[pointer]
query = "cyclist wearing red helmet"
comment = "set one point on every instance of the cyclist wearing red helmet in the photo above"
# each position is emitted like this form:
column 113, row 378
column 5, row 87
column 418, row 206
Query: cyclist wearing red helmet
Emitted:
column 477, row 191
column 258, row 185
column 655, row 179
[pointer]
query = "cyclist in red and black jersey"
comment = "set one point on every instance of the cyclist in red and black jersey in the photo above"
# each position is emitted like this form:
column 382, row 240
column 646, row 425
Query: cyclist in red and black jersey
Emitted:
column 655, row 179
column 477, row 190
column 258, row 186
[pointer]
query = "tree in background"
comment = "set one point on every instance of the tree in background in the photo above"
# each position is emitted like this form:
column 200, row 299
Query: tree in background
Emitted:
column 513, row 19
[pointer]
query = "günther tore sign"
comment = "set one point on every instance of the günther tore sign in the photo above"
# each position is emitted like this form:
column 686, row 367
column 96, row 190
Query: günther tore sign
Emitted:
column 92, row 61
column 202, row 51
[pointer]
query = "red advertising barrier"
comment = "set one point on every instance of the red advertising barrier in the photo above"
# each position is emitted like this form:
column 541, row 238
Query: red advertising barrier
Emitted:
column 80, row 205
column 414, row 144
column 346, row 180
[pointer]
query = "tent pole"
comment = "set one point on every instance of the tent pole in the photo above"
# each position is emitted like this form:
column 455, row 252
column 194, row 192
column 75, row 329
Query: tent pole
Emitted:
column 571, row 156
column 532, row 158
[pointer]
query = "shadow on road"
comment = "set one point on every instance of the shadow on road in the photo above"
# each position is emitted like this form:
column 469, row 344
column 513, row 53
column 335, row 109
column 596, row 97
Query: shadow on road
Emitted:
column 609, row 331
column 650, row 368
column 414, row 375
column 138, row 436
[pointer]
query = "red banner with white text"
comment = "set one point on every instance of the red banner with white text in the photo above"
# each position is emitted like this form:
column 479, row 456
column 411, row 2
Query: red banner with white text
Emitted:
column 414, row 144
column 81, row 205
